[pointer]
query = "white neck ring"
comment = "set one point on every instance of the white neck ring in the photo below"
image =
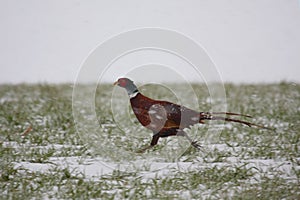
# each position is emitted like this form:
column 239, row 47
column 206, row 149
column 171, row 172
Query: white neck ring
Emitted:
column 133, row 95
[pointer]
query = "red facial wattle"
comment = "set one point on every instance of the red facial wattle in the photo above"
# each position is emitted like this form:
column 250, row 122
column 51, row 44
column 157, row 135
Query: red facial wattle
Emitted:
column 122, row 82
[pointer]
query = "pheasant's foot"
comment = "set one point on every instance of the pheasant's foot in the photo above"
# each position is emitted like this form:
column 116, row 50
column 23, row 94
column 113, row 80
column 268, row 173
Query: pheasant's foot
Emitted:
column 196, row 145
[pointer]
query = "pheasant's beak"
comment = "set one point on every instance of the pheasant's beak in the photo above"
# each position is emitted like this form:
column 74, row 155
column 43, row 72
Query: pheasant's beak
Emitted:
column 116, row 83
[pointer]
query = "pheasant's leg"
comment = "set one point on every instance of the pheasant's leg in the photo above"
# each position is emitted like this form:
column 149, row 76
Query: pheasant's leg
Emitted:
column 154, row 141
column 193, row 143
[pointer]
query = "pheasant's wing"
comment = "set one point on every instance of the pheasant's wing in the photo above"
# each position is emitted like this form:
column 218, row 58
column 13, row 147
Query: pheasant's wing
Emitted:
column 156, row 115
column 182, row 116
column 160, row 119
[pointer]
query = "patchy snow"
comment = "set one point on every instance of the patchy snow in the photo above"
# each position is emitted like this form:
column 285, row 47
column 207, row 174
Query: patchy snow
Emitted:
column 7, row 99
column 89, row 167
column 150, row 168
column 270, row 167
column 34, row 167
column 95, row 168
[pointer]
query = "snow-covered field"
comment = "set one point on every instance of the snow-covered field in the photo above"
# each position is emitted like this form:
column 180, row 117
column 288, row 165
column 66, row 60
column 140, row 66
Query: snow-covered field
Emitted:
column 55, row 158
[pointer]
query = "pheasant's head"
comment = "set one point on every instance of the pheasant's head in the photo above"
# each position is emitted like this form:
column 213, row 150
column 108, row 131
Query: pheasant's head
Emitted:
column 127, row 84
column 124, row 82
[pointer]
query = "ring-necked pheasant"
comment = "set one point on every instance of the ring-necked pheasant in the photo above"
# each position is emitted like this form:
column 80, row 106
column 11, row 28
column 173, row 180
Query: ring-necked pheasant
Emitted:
column 168, row 119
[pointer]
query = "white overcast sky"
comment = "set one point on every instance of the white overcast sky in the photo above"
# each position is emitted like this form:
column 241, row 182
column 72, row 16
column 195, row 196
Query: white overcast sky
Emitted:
column 248, row 40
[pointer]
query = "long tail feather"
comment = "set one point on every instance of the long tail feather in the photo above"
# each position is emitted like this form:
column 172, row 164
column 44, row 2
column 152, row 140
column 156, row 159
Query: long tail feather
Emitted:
column 227, row 113
column 210, row 116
